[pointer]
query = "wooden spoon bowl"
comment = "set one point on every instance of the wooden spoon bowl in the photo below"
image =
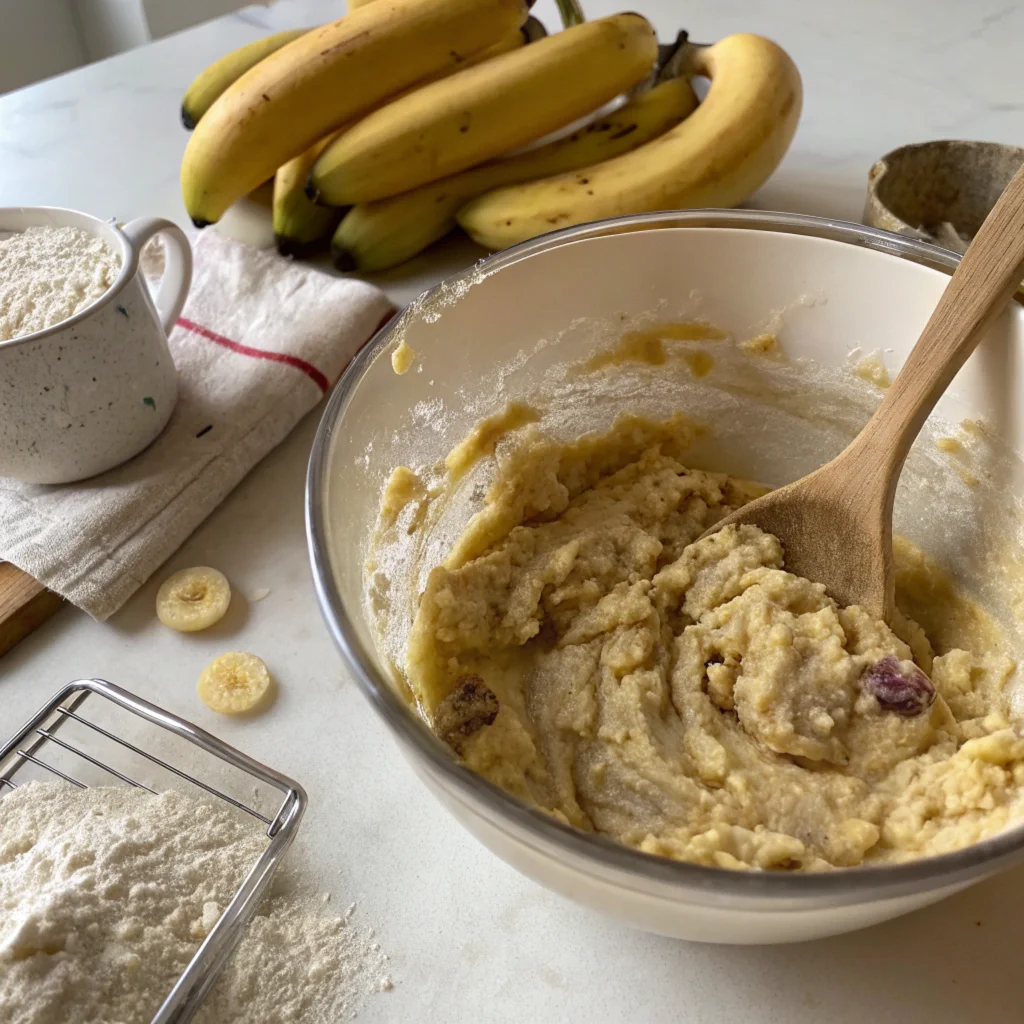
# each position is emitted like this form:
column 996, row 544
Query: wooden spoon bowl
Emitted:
column 835, row 524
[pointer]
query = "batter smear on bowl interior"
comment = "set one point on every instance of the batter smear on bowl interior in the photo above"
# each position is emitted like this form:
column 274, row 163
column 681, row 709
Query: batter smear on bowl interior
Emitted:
column 692, row 699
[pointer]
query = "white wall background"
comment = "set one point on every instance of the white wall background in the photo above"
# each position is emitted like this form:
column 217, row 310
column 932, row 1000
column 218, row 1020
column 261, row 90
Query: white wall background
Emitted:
column 167, row 16
column 38, row 38
column 107, row 27
column 41, row 38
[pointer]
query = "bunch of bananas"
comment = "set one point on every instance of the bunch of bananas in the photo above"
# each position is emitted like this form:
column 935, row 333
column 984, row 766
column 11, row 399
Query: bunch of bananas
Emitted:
column 390, row 126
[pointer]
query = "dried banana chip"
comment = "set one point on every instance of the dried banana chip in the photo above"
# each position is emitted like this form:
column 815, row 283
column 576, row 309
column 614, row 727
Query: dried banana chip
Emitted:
column 193, row 599
column 234, row 683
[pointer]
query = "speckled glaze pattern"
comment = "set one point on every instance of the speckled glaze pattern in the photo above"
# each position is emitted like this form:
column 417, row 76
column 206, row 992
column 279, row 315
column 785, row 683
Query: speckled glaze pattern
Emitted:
column 91, row 392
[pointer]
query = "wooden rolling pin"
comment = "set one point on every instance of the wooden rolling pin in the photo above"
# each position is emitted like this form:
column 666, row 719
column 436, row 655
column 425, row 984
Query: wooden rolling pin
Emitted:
column 25, row 604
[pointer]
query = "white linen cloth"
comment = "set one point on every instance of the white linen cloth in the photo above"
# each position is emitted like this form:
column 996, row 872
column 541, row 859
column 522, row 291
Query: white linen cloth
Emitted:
column 259, row 343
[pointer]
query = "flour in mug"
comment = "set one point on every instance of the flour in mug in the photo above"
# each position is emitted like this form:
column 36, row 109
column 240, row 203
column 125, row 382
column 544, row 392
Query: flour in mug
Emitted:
column 48, row 275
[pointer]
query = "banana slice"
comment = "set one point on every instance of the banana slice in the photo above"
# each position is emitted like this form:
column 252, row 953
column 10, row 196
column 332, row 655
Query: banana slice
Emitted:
column 234, row 683
column 193, row 599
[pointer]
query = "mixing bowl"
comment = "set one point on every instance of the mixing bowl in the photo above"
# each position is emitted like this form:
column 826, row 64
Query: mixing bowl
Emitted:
column 516, row 326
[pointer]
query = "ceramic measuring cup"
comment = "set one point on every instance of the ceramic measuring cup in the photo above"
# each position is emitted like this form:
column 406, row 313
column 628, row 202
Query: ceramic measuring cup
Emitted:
column 90, row 392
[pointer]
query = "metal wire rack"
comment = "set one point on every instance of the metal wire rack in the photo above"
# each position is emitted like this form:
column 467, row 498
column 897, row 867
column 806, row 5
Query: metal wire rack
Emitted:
column 37, row 743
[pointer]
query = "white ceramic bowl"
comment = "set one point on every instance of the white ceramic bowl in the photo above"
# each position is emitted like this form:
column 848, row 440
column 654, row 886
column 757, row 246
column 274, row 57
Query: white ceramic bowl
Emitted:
column 507, row 329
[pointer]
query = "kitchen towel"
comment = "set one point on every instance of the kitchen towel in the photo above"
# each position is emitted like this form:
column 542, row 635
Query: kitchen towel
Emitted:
column 259, row 343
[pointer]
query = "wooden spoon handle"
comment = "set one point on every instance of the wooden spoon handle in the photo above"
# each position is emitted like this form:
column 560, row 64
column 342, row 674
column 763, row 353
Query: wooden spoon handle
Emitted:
column 988, row 275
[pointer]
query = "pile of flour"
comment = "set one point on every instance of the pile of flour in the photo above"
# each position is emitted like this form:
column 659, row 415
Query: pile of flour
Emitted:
column 48, row 275
column 106, row 893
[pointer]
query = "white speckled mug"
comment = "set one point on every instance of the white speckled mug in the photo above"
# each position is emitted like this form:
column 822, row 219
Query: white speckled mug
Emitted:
column 89, row 393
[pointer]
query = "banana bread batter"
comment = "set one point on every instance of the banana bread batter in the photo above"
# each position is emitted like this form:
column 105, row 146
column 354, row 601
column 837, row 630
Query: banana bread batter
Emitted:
column 692, row 699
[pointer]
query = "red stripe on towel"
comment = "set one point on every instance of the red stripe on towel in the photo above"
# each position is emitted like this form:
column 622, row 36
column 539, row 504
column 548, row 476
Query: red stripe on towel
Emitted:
column 275, row 357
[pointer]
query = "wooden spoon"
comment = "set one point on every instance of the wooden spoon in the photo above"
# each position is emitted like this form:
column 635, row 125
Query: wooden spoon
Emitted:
column 835, row 524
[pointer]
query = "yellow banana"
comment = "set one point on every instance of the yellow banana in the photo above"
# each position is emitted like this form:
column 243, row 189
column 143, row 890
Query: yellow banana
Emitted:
column 381, row 234
column 511, row 40
column 716, row 157
column 209, row 84
column 323, row 79
column 299, row 223
column 485, row 111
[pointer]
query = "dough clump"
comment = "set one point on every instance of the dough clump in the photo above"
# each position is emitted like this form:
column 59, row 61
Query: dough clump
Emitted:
column 690, row 698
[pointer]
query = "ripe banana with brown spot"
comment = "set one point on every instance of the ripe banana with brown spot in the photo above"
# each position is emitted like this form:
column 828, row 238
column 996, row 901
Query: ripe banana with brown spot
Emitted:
column 300, row 224
column 485, row 111
column 512, row 40
column 718, row 156
column 209, row 84
column 382, row 234
column 323, row 79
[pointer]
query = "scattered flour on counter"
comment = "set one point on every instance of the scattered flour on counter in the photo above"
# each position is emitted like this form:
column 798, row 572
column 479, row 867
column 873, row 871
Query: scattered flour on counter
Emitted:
column 106, row 893
column 50, row 274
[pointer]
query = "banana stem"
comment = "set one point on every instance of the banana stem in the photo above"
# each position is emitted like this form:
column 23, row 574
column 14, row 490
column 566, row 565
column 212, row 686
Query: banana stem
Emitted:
column 681, row 59
column 699, row 61
column 570, row 12
column 669, row 53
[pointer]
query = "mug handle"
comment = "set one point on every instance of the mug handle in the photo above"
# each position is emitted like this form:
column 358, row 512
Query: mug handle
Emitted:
column 177, row 276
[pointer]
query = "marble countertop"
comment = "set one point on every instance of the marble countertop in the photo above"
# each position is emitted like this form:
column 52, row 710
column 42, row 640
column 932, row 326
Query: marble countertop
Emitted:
column 469, row 939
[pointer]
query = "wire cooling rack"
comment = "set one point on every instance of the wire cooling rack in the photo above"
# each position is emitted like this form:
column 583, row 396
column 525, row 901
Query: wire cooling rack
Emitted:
column 37, row 750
